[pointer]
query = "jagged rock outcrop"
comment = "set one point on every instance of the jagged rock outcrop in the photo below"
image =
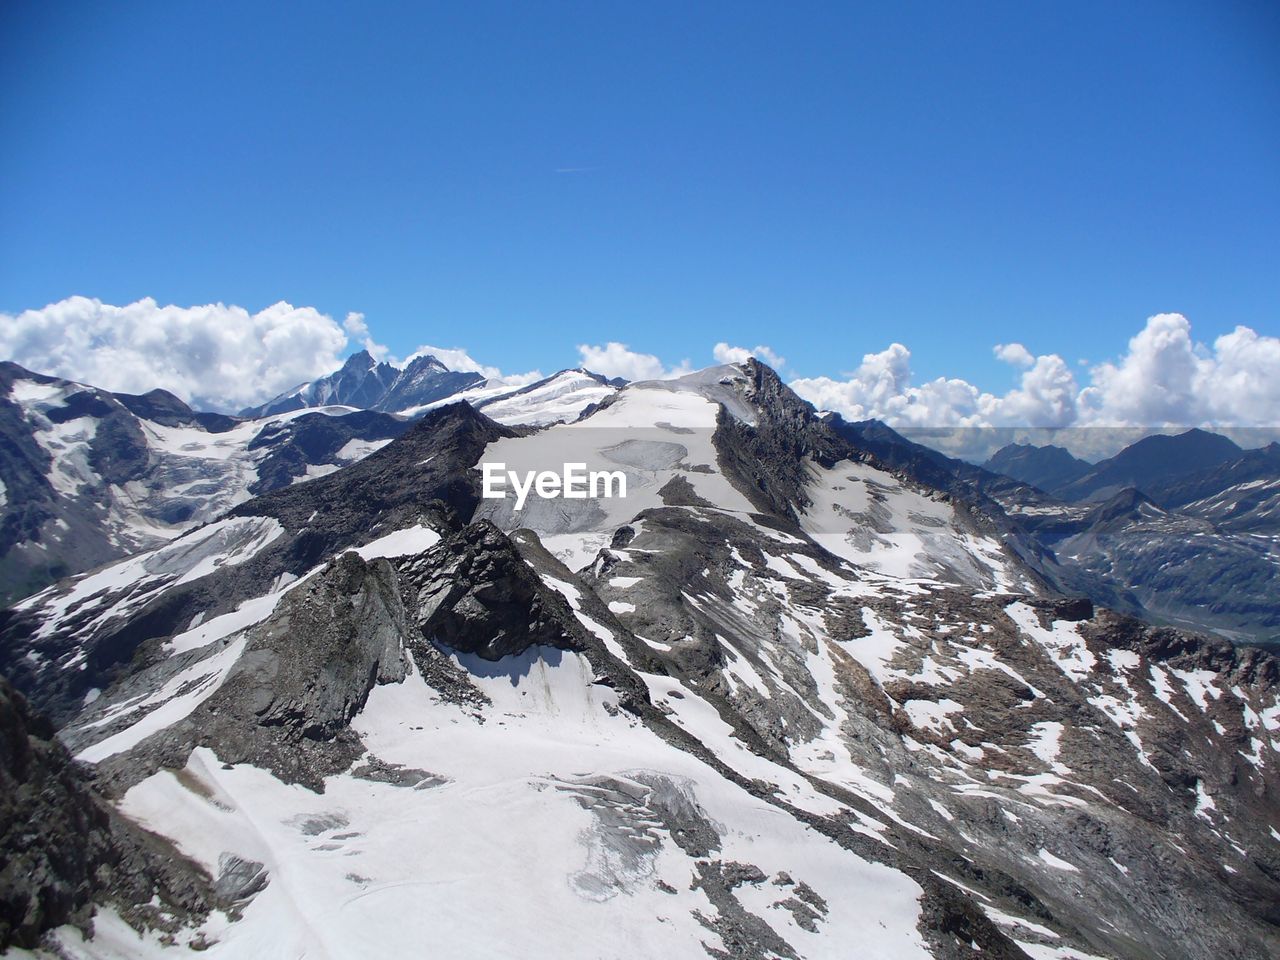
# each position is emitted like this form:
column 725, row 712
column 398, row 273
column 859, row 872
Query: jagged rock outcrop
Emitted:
column 309, row 668
column 53, row 835
column 473, row 593
column 768, row 458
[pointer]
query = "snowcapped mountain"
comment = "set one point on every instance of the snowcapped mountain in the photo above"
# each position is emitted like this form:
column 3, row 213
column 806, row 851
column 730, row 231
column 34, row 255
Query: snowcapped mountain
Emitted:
column 802, row 691
column 87, row 476
column 425, row 383
column 559, row 398
column 360, row 382
column 368, row 384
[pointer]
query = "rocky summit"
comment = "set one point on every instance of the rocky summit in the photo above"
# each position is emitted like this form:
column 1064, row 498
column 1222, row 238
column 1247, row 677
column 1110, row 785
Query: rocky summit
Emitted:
column 808, row 690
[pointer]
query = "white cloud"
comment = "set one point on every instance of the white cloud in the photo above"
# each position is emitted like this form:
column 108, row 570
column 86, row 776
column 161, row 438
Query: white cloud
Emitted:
column 1164, row 380
column 618, row 360
column 881, row 388
column 727, row 354
column 214, row 356
column 1155, row 382
column 224, row 357
column 1014, row 353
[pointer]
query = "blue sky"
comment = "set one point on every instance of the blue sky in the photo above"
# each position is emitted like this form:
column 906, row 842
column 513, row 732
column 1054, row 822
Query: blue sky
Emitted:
column 516, row 179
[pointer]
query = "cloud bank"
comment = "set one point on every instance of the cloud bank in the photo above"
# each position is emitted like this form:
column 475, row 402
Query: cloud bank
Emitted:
column 1165, row 379
column 225, row 358
column 213, row 356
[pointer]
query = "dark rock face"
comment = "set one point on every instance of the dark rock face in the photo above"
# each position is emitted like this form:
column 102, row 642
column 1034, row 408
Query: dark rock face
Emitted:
column 429, row 463
column 767, row 459
column 309, row 668
column 474, row 594
column 62, row 848
column 239, row 880
column 424, row 475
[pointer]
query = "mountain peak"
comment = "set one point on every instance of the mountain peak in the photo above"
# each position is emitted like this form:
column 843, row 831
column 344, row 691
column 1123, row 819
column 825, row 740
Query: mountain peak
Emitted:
column 424, row 361
column 360, row 360
column 1047, row 468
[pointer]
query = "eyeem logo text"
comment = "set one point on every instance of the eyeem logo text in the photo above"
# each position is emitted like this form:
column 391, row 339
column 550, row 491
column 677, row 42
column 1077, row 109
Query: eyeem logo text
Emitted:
column 575, row 482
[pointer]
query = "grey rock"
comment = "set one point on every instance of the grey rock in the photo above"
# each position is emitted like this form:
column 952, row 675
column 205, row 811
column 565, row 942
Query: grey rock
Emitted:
column 239, row 880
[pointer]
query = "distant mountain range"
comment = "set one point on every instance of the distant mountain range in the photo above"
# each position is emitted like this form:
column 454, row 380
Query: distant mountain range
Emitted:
column 1185, row 528
column 1047, row 468
column 1150, row 464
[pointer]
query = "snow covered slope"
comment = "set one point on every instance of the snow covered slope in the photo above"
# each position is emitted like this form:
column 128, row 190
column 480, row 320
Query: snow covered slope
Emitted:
column 559, row 398
column 781, row 701
column 662, row 436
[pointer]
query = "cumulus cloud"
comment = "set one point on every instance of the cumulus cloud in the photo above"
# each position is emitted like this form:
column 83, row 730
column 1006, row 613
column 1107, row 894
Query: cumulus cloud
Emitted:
column 881, row 388
column 618, row 360
column 213, row 356
column 727, row 354
column 1014, row 353
column 1165, row 380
